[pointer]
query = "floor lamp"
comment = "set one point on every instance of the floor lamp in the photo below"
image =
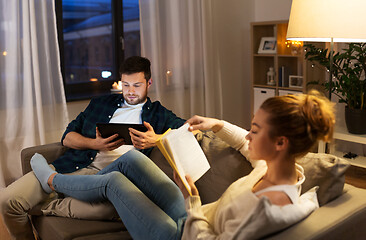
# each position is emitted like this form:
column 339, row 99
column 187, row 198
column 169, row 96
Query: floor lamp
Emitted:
column 327, row 21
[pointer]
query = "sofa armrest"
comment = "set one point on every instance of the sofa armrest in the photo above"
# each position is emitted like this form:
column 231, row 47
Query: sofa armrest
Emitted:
column 50, row 151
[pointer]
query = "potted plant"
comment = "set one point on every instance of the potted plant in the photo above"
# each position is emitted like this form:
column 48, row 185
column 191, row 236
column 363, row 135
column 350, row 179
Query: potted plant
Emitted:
column 348, row 70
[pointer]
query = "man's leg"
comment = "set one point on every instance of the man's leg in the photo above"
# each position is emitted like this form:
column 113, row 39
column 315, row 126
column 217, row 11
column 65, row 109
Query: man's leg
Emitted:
column 15, row 202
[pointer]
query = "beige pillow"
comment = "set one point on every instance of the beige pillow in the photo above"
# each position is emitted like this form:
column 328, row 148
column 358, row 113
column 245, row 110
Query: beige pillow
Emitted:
column 326, row 171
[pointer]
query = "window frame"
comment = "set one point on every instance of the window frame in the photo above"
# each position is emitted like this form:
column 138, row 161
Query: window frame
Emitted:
column 87, row 90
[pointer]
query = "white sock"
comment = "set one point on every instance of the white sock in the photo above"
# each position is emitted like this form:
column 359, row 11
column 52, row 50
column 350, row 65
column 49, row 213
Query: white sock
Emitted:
column 42, row 171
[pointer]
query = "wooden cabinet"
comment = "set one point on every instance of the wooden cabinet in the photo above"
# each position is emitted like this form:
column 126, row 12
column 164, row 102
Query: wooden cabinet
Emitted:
column 288, row 62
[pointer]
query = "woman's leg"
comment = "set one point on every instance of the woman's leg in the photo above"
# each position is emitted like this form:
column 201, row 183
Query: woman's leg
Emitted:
column 151, row 180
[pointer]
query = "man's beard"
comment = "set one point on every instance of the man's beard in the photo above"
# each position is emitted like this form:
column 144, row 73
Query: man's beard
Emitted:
column 136, row 100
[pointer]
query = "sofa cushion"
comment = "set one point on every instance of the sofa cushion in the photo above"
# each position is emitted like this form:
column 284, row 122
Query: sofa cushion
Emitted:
column 326, row 171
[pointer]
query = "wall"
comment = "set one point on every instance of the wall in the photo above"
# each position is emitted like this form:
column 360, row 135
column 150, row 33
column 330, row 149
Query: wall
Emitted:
column 272, row 10
column 232, row 23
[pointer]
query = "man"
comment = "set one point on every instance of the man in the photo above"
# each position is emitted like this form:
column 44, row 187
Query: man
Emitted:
column 88, row 152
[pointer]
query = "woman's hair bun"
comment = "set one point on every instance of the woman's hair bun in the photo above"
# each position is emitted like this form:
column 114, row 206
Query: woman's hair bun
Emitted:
column 319, row 114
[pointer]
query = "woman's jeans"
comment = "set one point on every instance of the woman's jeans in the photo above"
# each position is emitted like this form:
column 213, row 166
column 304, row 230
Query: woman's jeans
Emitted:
column 150, row 205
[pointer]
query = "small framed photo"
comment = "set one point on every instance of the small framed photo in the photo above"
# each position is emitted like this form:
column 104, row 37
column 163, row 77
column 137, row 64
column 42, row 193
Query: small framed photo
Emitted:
column 295, row 81
column 268, row 45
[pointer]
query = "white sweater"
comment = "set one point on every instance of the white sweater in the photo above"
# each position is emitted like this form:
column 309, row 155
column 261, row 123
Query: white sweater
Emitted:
column 225, row 218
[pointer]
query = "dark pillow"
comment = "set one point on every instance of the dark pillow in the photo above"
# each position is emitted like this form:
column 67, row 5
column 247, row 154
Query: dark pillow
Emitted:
column 326, row 171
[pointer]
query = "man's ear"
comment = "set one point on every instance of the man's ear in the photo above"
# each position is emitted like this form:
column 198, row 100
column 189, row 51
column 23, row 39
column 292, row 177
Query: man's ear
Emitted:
column 282, row 143
column 149, row 82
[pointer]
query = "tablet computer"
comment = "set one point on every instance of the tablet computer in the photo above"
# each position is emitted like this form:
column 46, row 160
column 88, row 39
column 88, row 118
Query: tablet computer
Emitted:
column 109, row 129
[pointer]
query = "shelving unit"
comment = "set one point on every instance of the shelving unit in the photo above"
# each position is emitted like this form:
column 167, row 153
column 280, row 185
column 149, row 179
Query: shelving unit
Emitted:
column 294, row 64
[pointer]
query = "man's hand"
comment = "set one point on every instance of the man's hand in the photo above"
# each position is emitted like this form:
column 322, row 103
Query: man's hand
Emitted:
column 182, row 188
column 106, row 144
column 143, row 140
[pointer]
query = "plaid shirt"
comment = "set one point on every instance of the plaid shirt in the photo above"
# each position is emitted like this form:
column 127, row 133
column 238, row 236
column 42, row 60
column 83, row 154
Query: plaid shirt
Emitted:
column 101, row 110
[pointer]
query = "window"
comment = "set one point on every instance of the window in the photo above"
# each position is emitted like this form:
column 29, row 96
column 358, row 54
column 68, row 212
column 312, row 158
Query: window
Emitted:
column 93, row 42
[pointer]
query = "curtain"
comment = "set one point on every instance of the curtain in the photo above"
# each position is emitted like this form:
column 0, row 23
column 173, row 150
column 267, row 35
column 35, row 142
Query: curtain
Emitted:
column 32, row 102
column 179, row 39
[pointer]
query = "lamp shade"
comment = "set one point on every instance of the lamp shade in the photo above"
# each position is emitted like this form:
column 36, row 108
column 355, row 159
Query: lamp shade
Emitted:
column 321, row 20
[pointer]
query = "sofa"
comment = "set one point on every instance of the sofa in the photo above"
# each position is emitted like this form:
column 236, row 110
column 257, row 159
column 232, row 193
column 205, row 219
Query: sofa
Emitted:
column 342, row 212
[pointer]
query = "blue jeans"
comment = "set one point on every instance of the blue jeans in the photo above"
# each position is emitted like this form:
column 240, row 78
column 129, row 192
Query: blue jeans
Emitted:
column 149, row 203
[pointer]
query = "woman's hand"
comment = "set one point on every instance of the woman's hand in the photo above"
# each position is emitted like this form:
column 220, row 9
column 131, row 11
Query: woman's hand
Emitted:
column 182, row 188
column 204, row 123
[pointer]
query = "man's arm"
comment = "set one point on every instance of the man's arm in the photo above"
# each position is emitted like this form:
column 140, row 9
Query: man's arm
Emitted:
column 77, row 141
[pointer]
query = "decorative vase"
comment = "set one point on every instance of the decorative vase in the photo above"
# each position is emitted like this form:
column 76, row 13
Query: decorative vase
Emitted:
column 355, row 120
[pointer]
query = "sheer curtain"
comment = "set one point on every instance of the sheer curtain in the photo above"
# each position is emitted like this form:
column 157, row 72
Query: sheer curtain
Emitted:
column 32, row 102
column 178, row 37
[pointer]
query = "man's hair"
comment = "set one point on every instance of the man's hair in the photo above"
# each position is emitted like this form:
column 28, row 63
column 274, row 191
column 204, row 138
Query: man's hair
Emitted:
column 136, row 64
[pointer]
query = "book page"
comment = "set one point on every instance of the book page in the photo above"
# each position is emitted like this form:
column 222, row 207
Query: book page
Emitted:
column 186, row 152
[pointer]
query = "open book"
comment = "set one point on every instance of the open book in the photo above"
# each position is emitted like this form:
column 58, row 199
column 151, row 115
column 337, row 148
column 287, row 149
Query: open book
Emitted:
column 184, row 154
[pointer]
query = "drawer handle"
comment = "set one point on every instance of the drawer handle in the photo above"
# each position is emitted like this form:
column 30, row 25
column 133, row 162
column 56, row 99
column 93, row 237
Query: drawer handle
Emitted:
column 263, row 91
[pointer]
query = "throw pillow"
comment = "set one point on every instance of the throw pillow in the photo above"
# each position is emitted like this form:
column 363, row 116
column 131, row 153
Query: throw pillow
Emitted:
column 326, row 171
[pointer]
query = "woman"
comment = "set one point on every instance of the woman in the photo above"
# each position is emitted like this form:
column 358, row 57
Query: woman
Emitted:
column 152, row 207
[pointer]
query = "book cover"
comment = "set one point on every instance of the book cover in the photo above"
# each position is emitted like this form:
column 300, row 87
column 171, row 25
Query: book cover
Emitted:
column 182, row 151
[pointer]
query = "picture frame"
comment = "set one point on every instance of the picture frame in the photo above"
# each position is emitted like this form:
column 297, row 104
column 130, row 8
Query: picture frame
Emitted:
column 295, row 81
column 268, row 45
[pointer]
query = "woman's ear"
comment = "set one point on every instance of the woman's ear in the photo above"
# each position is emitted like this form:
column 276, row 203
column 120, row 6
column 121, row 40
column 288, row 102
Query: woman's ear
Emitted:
column 282, row 143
